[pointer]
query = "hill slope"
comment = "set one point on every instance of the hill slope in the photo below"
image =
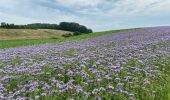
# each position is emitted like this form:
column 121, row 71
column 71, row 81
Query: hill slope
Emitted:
column 20, row 34
column 28, row 41
column 131, row 65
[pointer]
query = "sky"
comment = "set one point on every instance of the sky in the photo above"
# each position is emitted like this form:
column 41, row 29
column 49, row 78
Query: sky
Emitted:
column 98, row 15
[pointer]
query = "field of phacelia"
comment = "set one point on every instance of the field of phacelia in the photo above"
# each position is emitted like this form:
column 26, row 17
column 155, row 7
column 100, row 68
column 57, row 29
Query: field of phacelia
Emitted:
column 131, row 65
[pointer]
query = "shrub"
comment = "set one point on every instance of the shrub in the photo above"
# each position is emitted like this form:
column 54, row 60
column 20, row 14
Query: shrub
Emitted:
column 77, row 33
column 67, row 35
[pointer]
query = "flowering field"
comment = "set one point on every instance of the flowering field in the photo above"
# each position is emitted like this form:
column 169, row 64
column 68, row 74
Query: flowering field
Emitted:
column 131, row 65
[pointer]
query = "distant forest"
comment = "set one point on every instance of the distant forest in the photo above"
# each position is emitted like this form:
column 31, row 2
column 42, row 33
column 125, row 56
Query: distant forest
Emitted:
column 66, row 26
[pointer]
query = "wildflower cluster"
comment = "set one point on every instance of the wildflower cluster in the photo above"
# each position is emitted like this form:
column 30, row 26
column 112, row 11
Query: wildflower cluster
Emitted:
column 125, row 66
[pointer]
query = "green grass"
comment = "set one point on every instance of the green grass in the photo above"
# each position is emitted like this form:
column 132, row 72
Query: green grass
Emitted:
column 27, row 42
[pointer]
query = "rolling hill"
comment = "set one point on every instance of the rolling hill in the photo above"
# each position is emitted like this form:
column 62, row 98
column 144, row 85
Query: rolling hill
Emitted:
column 125, row 65
column 10, row 38
column 21, row 34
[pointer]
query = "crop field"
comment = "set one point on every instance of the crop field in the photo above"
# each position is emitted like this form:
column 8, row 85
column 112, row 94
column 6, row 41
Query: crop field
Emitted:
column 21, row 34
column 131, row 65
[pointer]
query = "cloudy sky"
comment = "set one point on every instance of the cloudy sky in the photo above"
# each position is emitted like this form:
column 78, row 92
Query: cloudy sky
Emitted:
column 96, row 14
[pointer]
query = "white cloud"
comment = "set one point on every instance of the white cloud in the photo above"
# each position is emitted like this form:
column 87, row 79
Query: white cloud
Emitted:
column 80, row 3
column 8, row 4
column 116, row 8
column 98, row 14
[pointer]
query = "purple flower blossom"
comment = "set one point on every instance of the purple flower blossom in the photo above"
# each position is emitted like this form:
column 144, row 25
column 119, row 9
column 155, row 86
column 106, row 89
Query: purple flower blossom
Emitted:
column 114, row 63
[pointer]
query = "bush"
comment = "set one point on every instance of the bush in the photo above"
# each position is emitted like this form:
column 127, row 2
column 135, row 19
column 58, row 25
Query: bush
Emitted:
column 67, row 35
column 74, row 27
column 77, row 33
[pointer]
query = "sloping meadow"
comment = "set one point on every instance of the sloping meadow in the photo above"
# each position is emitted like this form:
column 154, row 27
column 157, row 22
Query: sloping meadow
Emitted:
column 131, row 65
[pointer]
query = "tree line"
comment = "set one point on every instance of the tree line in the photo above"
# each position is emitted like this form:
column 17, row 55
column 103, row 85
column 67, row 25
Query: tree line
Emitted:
column 66, row 26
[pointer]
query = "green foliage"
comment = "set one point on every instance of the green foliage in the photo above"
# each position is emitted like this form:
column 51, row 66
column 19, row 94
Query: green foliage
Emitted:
column 76, row 33
column 6, row 25
column 67, row 35
column 74, row 27
column 67, row 26
column 30, row 26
